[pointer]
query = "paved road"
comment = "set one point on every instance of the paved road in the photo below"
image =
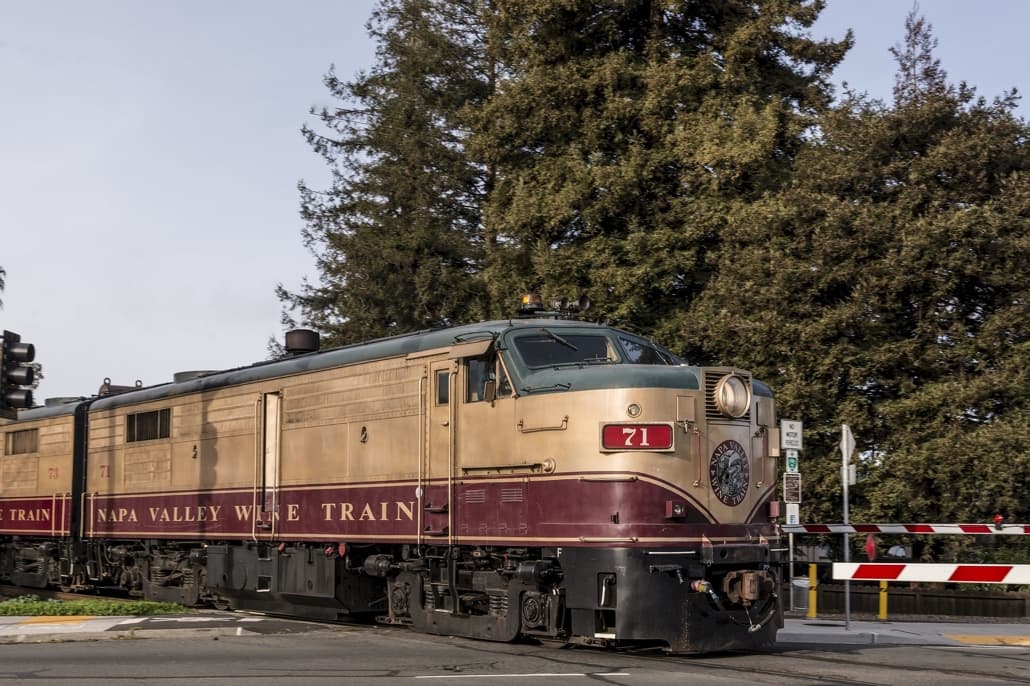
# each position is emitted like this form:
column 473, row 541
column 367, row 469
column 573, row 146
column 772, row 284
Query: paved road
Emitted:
column 231, row 650
column 796, row 631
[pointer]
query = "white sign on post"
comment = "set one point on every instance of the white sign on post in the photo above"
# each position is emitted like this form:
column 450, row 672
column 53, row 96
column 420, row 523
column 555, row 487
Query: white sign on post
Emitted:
column 790, row 435
column 847, row 443
column 792, row 488
column 793, row 514
column 847, row 448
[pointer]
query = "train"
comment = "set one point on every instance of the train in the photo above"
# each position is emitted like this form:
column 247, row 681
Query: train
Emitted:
column 537, row 477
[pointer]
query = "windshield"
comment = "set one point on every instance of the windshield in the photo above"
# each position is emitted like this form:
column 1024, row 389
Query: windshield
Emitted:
column 641, row 352
column 547, row 348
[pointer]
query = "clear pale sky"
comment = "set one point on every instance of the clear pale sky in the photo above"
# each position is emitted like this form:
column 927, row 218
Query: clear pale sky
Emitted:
column 150, row 154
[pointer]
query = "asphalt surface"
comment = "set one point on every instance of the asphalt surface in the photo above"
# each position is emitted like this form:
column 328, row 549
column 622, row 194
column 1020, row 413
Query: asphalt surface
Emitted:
column 211, row 624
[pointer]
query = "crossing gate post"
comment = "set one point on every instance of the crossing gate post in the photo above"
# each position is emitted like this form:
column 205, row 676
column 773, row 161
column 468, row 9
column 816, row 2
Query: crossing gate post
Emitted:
column 929, row 572
column 812, row 591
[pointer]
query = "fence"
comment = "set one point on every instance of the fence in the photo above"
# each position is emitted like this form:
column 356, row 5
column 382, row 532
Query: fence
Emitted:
column 908, row 601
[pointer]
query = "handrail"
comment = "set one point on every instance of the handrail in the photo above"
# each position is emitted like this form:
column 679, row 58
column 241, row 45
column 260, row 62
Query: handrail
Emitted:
column 561, row 427
column 546, row 466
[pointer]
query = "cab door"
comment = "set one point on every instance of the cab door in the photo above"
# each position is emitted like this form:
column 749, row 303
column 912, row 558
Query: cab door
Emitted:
column 437, row 481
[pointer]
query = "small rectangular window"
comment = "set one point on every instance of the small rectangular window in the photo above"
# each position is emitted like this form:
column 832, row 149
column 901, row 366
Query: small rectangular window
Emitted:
column 146, row 426
column 443, row 387
column 21, row 442
column 481, row 370
column 475, row 379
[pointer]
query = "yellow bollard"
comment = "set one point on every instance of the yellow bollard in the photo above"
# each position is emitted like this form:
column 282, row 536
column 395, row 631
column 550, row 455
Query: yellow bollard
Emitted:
column 811, row 591
column 883, row 601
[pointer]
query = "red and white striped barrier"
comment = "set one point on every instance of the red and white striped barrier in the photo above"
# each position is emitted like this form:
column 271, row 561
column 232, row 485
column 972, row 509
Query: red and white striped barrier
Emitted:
column 1016, row 529
column 924, row 571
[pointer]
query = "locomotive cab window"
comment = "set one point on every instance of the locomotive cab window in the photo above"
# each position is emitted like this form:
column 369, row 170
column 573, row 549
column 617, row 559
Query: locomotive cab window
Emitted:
column 641, row 352
column 147, row 426
column 549, row 349
column 480, row 372
column 21, row 442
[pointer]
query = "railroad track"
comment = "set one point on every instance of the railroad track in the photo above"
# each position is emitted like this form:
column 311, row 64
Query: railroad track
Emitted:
column 8, row 592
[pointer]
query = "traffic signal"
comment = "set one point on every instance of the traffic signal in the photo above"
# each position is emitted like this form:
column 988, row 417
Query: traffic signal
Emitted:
column 15, row 372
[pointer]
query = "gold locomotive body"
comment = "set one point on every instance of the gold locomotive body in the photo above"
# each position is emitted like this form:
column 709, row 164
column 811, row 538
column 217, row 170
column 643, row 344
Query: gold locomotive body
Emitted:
column 548, row 478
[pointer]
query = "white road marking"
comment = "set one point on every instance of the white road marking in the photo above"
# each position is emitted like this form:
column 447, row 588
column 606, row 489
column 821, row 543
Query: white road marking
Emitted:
column 508, row 676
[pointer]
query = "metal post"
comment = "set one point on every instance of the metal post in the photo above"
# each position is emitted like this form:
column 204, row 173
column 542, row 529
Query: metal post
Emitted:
column 847, row 446
column 790, row 569
column 847, row 547
column 882, row 616
column 813, row 590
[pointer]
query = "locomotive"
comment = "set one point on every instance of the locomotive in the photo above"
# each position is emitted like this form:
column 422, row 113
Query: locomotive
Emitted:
column 539, row 476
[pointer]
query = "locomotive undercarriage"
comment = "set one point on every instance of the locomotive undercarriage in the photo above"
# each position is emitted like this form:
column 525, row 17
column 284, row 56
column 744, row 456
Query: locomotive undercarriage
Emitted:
column 69, row 565
column 684, row 600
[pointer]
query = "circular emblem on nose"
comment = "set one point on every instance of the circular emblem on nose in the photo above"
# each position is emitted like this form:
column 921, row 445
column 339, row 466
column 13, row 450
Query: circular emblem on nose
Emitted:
column 729, row 473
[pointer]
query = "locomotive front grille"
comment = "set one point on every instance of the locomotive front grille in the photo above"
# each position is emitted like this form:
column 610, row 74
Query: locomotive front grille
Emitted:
column 712, row 379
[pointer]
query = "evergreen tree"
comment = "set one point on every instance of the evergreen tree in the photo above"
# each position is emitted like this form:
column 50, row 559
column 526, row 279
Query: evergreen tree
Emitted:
column 623, row 130
column 397, row 236
column 886, row 288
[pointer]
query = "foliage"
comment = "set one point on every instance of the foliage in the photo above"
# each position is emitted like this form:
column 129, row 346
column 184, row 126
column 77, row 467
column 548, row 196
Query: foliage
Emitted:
column 624, row 131
column 396, row 237
column 883, row 289
column 32, row 606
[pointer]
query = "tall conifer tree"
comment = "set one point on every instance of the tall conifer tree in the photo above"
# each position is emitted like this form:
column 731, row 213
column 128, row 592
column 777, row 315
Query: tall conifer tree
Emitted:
column 397, row 236
column 883, row 289
column 624, row 130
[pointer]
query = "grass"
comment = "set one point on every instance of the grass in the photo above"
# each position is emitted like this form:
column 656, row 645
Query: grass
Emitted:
column 30, row 605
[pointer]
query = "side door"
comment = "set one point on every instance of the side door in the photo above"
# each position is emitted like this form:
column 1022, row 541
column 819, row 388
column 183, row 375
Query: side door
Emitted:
column 439, row 478
column 266, row 516
column 437, row 481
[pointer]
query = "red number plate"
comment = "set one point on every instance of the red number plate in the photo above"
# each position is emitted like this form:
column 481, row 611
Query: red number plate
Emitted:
column 636, row 437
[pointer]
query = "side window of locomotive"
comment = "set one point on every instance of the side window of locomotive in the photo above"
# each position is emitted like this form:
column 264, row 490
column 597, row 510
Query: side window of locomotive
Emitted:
column 503, row 382
column 21, row 442
column 477, row 371
column 551, row 349
column 639, row 352
column 480, row 370
column 147, row 426
column 443, row 387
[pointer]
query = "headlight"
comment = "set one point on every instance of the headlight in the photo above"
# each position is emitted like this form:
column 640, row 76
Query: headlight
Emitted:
column 732, row 396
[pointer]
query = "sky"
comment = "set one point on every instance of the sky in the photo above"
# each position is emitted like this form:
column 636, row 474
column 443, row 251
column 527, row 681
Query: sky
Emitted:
column 150, row 154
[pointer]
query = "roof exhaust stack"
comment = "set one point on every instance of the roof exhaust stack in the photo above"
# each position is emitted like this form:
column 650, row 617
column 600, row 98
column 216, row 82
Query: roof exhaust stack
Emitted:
column 301, row 341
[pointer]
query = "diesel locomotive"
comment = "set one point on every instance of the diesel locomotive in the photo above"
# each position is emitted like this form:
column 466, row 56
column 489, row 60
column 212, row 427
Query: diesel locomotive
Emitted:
column 533, row 477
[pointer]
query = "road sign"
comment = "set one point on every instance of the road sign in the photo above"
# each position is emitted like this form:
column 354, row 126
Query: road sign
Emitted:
column 847, row 442
column 792, row 488
column 790, row 435
column 792, row 461
column 793, row 514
